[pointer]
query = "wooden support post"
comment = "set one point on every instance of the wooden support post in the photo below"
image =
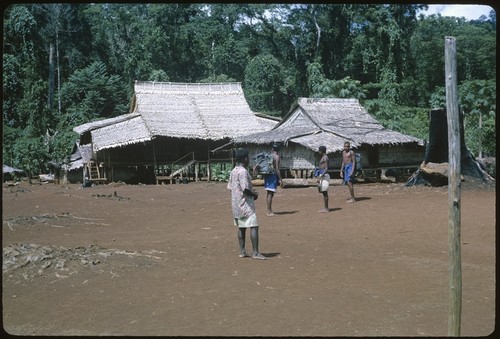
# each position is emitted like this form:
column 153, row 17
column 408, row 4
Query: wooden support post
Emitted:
column 208, row 161
column 112, row 178
column 454, row 254
column 155, row 172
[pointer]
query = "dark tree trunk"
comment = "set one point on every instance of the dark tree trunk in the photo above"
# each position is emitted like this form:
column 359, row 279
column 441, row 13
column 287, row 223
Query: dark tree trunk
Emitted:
column 50, row 102
column 436, row 151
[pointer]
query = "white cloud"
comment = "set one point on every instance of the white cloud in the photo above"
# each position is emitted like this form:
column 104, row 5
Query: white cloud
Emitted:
column 470, row 12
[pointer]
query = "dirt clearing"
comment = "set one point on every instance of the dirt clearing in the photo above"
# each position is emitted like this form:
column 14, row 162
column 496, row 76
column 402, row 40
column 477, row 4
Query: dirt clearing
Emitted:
column 163, row 261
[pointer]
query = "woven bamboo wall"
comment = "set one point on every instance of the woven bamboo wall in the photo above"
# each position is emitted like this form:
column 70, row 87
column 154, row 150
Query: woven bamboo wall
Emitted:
column 400, row 155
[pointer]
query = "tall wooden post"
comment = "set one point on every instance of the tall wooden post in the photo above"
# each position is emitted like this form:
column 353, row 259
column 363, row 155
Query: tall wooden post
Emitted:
column 454, row 254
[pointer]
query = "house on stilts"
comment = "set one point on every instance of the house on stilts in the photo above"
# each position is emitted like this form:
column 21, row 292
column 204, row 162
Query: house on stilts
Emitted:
column 169, row 133
column 313, row 122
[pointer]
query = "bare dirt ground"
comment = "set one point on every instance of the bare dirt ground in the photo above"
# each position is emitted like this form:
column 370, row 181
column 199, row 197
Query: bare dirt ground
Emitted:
column 163, row 261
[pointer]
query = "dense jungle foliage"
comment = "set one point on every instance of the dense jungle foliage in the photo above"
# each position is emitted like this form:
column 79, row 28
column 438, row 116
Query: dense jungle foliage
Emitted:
column 68, row 64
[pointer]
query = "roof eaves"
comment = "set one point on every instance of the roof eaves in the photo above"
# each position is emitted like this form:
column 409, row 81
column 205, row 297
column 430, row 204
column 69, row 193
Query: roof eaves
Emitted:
column 103, row 123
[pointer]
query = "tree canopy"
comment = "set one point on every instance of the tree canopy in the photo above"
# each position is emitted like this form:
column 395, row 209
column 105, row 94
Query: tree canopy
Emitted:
column 67, row 64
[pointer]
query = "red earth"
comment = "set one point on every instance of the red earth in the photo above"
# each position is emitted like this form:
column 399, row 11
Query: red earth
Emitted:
column 147, row 260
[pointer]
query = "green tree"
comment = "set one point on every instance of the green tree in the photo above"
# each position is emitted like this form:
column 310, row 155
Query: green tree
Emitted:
column 217, row 78
column 321, row 87
column 478, row 104
column 263, row 84
column 128, row 39
column 93, row 94
column 315, row 77
column 477, row 101
column 10, row 135
column 476, row 52
column 408, row 120
column 379, row 43
column 31, row 154
column 21, row 68
column 55, row 24
column 278, row 51
column 158, row 75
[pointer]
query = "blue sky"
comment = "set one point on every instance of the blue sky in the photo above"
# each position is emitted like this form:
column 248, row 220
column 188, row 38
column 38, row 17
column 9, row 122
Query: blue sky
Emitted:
column 470, row 12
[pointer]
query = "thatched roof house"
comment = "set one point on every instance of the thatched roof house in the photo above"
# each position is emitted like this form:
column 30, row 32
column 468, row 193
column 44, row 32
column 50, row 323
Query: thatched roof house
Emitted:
column 80, row 155
column 314, row 122
column 172, row 120
column 204, row 111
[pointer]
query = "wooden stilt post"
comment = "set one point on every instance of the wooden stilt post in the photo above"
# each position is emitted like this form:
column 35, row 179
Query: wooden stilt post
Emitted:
column 111, row 167
column 208, row 161
column 454, row 255
column 154, row 162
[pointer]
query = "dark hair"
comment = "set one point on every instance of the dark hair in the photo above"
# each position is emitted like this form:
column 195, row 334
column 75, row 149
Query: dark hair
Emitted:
column 276, row 146
column 322, row 149
column 240, row 154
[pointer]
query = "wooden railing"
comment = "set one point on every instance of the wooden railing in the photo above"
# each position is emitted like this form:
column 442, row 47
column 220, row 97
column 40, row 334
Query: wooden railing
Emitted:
column 178, row 170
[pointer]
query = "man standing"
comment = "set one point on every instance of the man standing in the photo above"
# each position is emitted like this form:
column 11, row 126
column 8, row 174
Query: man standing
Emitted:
column 273, row 180
column 323, row 178
column 347, row 169
column 243, row 204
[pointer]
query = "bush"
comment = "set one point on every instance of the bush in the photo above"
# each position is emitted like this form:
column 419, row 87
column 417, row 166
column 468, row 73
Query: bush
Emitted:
column 219, row 172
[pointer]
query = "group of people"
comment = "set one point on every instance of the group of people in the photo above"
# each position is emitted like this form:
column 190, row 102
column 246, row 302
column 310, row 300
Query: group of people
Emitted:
column 243, row 195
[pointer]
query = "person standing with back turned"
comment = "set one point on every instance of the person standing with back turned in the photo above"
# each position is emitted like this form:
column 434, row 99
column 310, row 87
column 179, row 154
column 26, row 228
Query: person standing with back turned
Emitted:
column 243, row 199
column 323, row 178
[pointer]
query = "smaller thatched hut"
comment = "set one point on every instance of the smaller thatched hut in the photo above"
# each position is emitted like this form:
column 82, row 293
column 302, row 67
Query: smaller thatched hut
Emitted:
column 11, row 173
column 79, row 158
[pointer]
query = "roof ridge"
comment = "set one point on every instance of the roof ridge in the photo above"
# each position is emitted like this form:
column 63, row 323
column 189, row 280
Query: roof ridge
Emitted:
column 211, row 87
column 327, row 100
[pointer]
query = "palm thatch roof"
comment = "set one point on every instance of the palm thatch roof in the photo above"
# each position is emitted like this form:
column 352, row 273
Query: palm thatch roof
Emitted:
column 313, row 122
column 81, row 154
column 103, row 123
column 11, row 170
column 123, row 133
column 267, row 121
column 204, row 111
column 195, row 111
